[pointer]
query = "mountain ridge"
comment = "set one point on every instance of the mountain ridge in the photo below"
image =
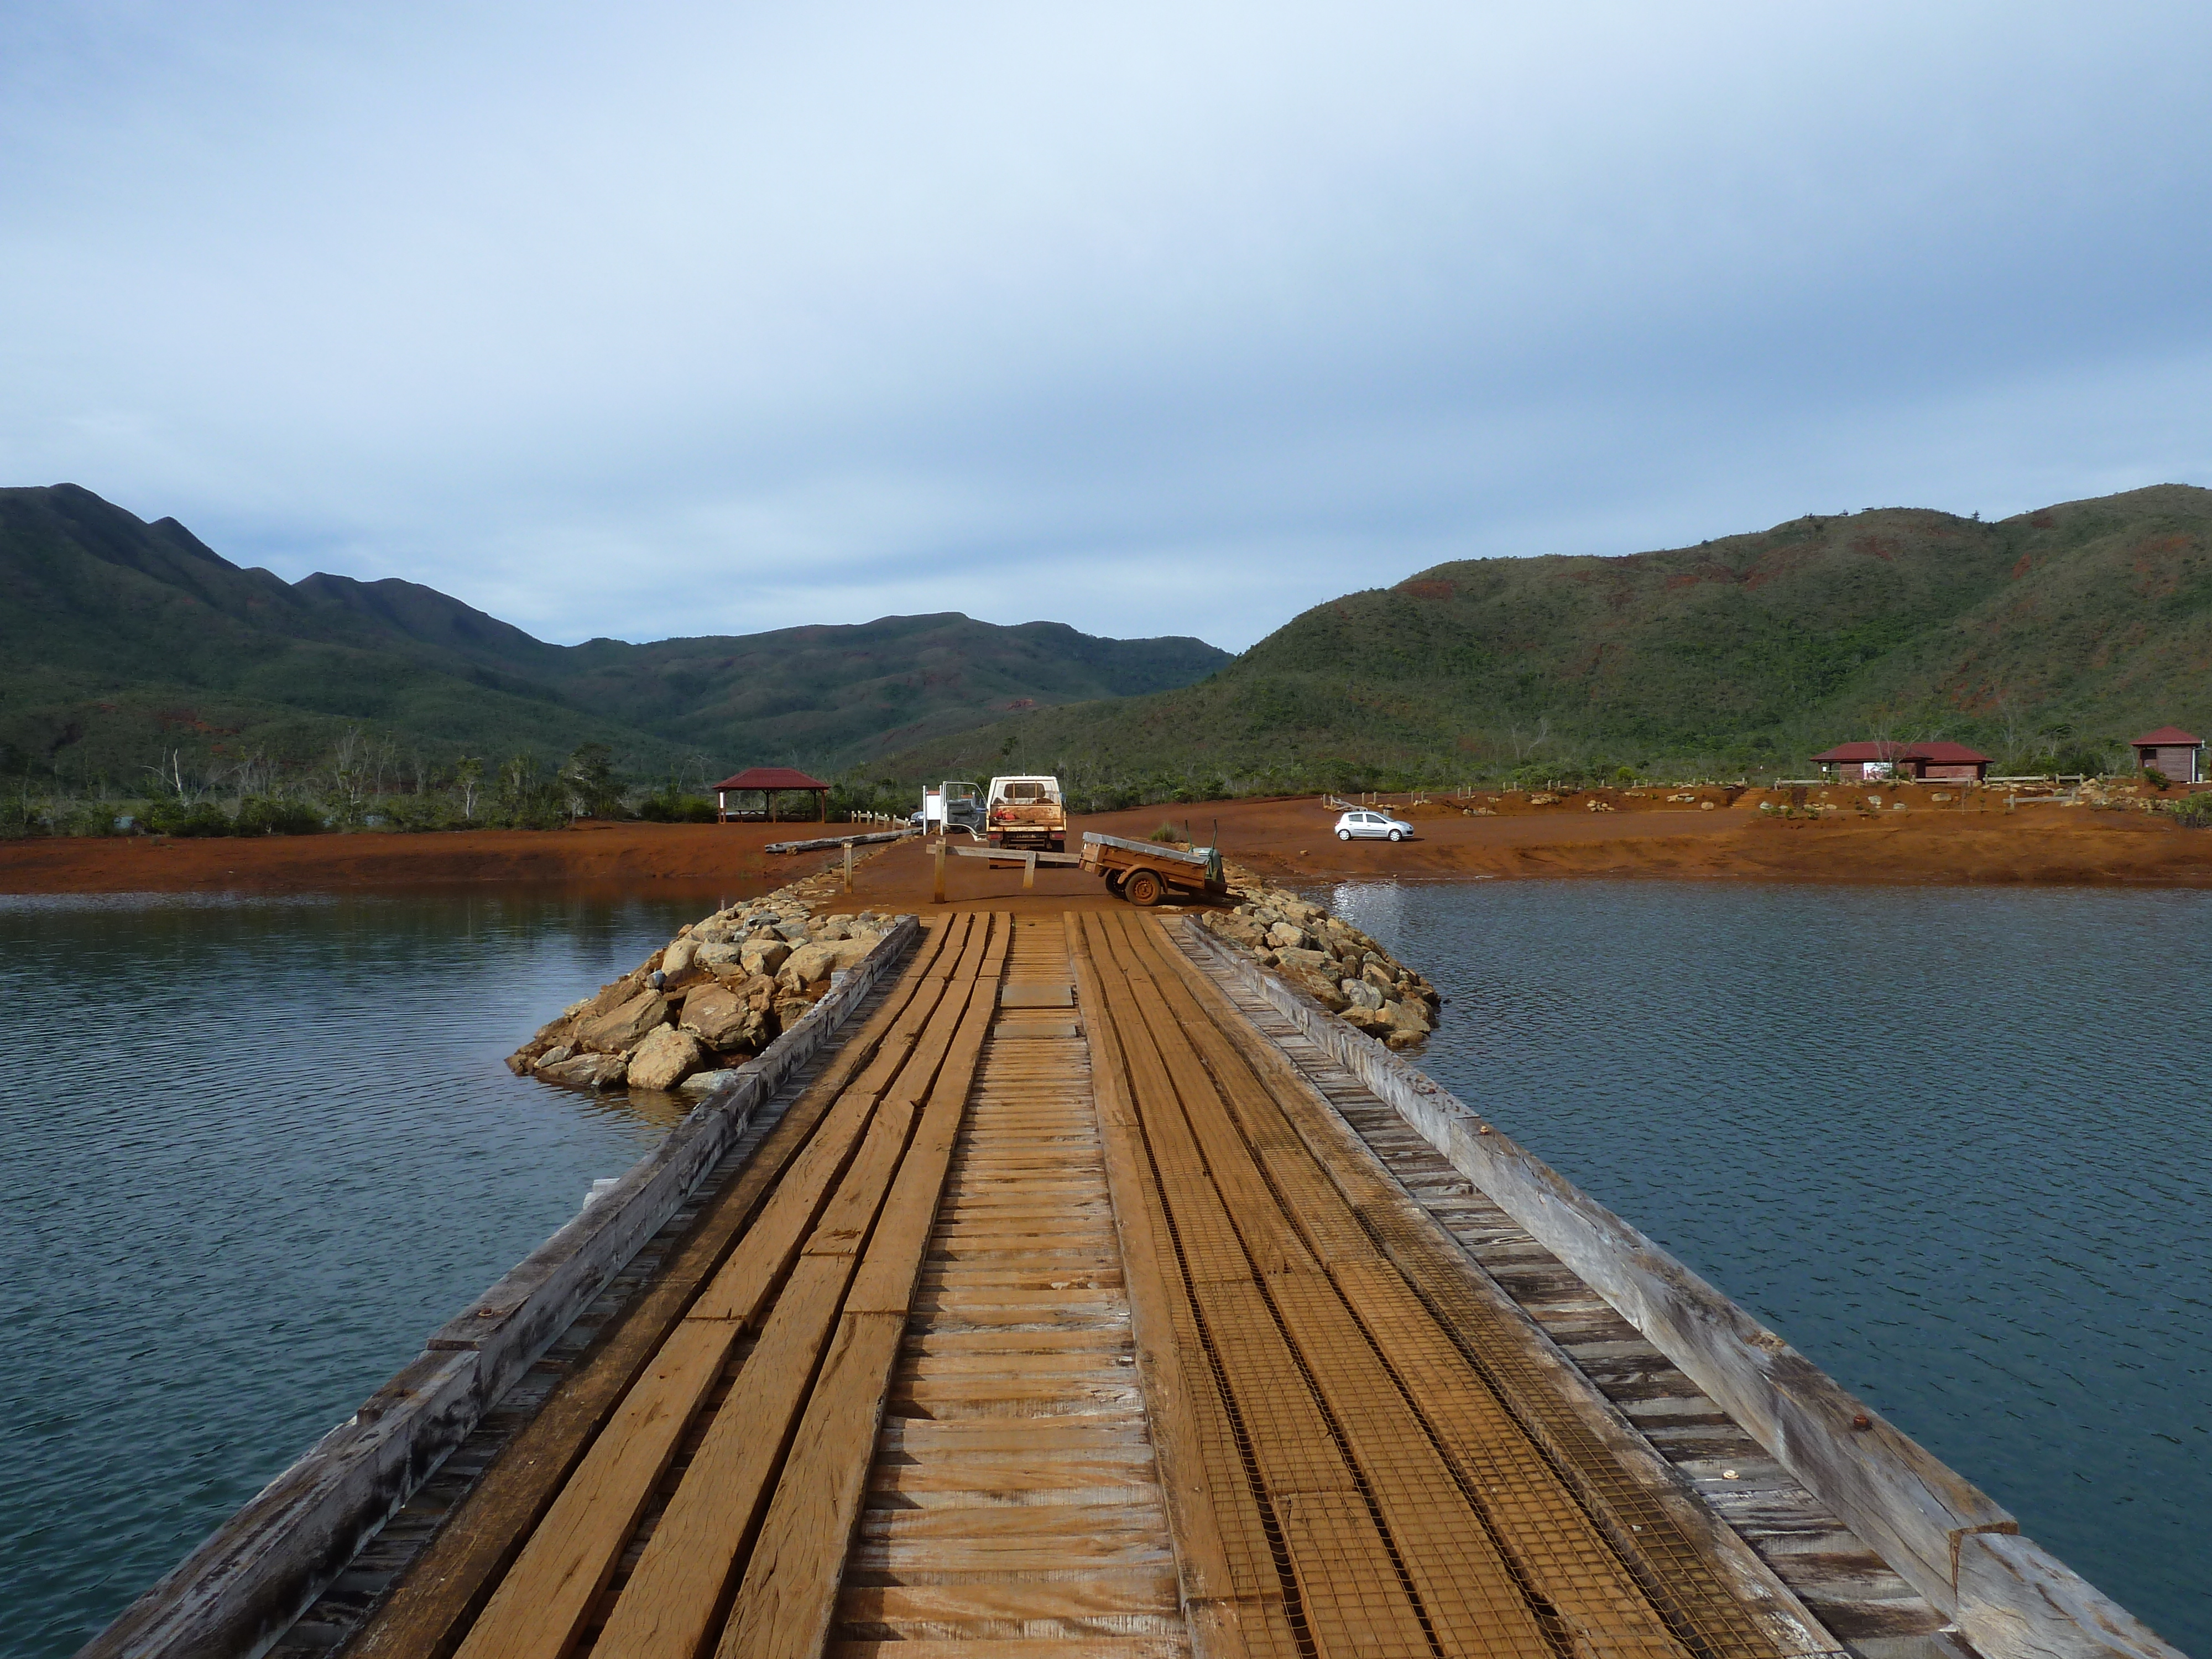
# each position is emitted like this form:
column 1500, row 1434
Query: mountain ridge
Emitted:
column 125, row 637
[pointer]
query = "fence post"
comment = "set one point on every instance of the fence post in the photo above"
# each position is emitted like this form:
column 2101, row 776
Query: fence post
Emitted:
column 939, row 897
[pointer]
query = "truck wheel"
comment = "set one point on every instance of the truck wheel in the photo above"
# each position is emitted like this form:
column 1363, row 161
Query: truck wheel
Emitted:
column 1060, row 843
column 1143, row 889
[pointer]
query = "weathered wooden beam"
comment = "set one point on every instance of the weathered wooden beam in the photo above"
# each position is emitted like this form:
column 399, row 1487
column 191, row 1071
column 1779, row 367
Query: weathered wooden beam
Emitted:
column 1018, row 855
column 830, row 843
column 1942, row 1533
column 240, row 1591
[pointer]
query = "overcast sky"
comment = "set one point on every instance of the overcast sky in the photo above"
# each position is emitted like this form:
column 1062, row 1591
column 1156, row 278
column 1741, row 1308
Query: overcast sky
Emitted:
column 669, row 319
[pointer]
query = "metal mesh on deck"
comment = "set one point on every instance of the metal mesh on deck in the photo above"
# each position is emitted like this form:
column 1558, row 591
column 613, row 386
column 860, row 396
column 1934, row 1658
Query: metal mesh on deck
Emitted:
column 1458, row 1504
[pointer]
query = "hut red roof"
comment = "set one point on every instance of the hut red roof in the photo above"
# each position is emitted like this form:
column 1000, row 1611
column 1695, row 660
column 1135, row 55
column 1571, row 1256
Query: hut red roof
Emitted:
column 1946, row 754
column 771, row 777
column 1943, row 754
column 2165, row 738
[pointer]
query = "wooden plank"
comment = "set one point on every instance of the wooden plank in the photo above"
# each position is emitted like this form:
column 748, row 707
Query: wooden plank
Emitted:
column 1346, row 1563
column 569, row 1557
column 667, row 1610
column 1538, row 1523
column 433, row 1602
column 539, row 1605
column 1197, row 1488
column 783, row 1607
column 740, row 1293
column 788, row 1593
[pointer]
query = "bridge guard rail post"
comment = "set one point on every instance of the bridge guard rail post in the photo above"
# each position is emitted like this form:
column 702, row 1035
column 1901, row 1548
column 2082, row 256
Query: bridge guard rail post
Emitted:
column 1951, row 1541
column 239, row 1591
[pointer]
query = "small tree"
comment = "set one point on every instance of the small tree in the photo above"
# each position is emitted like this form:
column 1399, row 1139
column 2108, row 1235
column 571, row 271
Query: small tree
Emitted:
column 469, row 776
column 594, row 791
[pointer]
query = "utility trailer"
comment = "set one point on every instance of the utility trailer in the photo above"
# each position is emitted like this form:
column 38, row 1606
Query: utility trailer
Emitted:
column 1144, row 873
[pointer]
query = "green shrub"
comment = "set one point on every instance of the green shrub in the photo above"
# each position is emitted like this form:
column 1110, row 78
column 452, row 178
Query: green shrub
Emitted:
column 677, row 809
column 1167, row 832
column 2191, row 811
column 258, row 815
column 173, row 817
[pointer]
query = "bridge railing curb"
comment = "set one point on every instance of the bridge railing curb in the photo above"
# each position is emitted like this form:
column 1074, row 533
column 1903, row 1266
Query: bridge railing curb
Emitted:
column 238, row 1592
column 2010, row 1598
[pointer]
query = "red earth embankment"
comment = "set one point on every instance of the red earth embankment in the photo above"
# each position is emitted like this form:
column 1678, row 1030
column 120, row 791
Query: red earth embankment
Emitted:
column 1284, row 839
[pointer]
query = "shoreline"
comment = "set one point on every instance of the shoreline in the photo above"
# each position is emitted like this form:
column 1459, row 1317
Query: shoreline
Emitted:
column 1283, row 840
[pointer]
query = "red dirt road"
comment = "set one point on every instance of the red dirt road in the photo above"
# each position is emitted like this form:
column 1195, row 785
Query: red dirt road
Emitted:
column 1284, row 839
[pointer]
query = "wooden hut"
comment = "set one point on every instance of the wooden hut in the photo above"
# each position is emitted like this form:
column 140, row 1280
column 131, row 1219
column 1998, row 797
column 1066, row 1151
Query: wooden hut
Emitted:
column 1951, row 761
column 1933, row 761
column 2171, row 751
column 771, row 782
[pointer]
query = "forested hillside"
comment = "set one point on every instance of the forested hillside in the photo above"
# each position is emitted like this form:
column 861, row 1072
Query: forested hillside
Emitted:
column 2050, row 637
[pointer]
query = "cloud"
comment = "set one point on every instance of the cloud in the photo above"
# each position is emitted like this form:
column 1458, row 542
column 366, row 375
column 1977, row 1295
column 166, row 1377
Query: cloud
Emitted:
column 685, row 318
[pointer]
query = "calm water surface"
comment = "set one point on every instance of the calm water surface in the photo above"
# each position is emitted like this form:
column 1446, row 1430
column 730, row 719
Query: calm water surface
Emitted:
column 256, row 1151
column 1953, row 1144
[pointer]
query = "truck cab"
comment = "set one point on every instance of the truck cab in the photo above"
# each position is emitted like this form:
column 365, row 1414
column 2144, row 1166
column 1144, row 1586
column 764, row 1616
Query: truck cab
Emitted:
column 1027, row 812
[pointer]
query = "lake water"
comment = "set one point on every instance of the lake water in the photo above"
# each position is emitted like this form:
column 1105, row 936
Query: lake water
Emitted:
column 1954, row 1143
column 256, row 1151
column 1951, row 1144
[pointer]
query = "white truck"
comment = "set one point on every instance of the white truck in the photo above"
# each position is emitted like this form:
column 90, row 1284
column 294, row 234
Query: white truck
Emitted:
column 1026, row 811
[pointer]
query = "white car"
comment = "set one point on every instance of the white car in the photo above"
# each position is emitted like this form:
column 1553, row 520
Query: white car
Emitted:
column 1372, row 826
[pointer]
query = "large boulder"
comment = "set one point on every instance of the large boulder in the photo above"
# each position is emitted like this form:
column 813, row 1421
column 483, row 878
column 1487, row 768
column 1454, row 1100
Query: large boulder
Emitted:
column 727, row 1018
column 1318, row 986
column 1373, row 1021
column 1380, row 977
column 1408, row 1017
column 624, row 1026
column 1293, row 960
column 810, row 964
column 762, row 955
column 665, row 1059
column 1288, row 936
column 587, row 1072
column 1238, row 930
column 1360, row 994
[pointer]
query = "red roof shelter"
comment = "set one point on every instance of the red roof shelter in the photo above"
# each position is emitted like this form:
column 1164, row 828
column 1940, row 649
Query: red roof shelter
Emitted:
column 1913, row 760
column 2171, row 751
column 770, row 782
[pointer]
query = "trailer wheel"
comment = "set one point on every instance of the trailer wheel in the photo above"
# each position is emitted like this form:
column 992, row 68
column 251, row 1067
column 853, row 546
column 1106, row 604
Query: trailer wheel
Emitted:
column 1113, row 882
column 1143, row 889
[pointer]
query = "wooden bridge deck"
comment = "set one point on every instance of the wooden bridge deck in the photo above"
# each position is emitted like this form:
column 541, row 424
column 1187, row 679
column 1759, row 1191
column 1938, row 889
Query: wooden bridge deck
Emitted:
column 1061, row 1314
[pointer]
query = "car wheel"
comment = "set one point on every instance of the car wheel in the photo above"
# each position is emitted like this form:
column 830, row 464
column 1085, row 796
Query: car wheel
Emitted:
column 1397, row 835
column 1344, row 835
